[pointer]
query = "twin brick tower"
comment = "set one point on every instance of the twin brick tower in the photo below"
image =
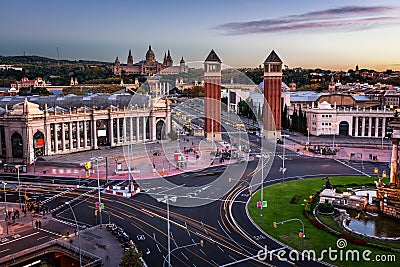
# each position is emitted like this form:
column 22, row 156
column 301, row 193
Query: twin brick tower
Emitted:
column 272, row 97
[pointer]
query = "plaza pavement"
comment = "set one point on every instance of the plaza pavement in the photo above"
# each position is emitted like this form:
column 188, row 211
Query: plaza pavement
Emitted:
column 71, row 165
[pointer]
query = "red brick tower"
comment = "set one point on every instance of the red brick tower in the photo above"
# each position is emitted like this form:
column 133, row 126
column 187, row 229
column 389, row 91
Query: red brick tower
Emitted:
column 212, row 101
column 272, row 96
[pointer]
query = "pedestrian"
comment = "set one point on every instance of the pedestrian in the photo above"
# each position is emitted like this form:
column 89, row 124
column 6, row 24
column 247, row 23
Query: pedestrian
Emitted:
column 36, row 223
column 40, row 224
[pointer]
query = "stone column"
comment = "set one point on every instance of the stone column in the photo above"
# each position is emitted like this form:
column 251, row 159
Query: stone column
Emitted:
column 137, row 129
column 118, row 133
column 63, row 136
column 55, row 138
column 84, row 134
column 383, row 126
column 111, row 133
column 356, row 127
column 94, row 134
column 376, row 127
column 78, row 135
column 363, row 127
column 71, row 146
column 131, row 129
column 369, row 126
column 144, row 128
column 124, row 130
column 393, row 162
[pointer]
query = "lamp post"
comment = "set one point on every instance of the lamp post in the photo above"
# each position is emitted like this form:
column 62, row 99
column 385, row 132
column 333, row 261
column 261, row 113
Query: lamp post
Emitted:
column 98, row 186
column 283, row 157
column 262, row 177
column 5, row 205
column 19, row 186
column 168, row 230
column 77, row 229
column 333, row 140
column 308, row 136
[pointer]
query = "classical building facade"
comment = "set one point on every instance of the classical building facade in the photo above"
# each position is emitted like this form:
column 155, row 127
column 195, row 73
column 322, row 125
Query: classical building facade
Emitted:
column 149, row 66
column 325, row 119
column 29, row 130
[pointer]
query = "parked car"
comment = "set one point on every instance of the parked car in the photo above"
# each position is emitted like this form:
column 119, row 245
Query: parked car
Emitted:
column 111, row 226
column 123, row 238
column 279, row 141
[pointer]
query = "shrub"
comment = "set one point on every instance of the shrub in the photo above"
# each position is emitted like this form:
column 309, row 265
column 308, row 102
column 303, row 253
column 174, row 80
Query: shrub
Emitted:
column 325, row 208
column 295, row 199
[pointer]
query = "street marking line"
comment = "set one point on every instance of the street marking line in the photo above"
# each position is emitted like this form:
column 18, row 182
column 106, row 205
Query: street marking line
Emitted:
column 184, row 256
column 4, row 250
column 351, row 167
column 5, row 243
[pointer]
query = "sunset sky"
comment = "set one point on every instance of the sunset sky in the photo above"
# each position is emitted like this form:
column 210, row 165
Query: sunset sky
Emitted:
column 310, row 34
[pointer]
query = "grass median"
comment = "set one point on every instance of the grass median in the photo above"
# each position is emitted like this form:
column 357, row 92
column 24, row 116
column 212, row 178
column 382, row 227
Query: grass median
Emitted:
column 287, row 201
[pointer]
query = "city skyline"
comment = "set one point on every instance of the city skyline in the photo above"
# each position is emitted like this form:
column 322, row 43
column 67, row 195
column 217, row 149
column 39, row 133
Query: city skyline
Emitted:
column 308, row 34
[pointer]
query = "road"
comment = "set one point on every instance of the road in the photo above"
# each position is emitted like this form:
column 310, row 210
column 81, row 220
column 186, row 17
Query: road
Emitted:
column 221, row 222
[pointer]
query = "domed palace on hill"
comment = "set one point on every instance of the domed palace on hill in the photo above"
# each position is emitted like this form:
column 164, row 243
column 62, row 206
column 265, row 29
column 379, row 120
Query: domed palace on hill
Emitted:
column 148, row 66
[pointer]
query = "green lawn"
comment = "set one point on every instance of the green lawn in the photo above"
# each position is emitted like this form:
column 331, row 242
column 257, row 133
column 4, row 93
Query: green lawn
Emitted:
column 279, row 209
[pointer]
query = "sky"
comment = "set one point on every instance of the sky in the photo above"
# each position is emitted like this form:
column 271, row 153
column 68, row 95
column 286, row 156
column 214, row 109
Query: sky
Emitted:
column 335, row 35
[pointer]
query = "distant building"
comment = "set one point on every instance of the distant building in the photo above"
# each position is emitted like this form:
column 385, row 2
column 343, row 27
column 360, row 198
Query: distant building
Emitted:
column 26, row 83
column 149, row 66
column 325, row 119
column 10, row 67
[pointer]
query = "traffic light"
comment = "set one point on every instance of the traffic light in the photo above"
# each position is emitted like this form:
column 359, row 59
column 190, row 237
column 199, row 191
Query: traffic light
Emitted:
column 274, row 224
column 88, row 165
column 376, row 170
column 300, row 234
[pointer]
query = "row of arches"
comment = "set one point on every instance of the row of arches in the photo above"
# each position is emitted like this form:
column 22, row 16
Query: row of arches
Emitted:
column 17, row 144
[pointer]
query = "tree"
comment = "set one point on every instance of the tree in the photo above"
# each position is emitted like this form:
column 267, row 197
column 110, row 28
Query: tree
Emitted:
column 131, row 258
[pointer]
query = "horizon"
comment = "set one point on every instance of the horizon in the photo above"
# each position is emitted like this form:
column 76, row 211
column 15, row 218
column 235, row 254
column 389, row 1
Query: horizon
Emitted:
column 310, row 35
column 175, row 64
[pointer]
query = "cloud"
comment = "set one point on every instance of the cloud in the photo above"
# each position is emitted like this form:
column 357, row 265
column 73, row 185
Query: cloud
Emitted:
column 349, row 18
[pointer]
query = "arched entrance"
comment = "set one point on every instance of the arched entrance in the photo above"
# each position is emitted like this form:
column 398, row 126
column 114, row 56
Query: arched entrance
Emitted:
column 160, row 130
column 17, row 145
column 344, row 128
column 38, row 144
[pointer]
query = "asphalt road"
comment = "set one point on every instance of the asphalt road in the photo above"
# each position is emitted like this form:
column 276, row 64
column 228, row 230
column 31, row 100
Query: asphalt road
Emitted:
column 228, row 235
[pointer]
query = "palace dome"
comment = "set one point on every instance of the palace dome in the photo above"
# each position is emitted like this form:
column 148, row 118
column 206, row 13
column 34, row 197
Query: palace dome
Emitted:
column 150, row 55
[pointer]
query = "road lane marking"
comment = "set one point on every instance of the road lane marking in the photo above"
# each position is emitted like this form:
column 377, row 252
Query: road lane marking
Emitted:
column 4, row 250
column 42, row 237
column 352, row 167
column 5, row 243
column 184, row 256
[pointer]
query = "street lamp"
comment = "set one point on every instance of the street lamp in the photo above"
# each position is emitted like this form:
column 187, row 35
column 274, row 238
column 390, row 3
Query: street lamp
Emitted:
column 98, row 185
column 19, row 186
column 334, row 133
column 283, row 157
column 308, row 136
column 5, row 204
column 77, row 229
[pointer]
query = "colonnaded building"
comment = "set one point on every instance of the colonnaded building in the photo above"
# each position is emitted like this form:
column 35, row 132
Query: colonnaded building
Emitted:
column 31, row 127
